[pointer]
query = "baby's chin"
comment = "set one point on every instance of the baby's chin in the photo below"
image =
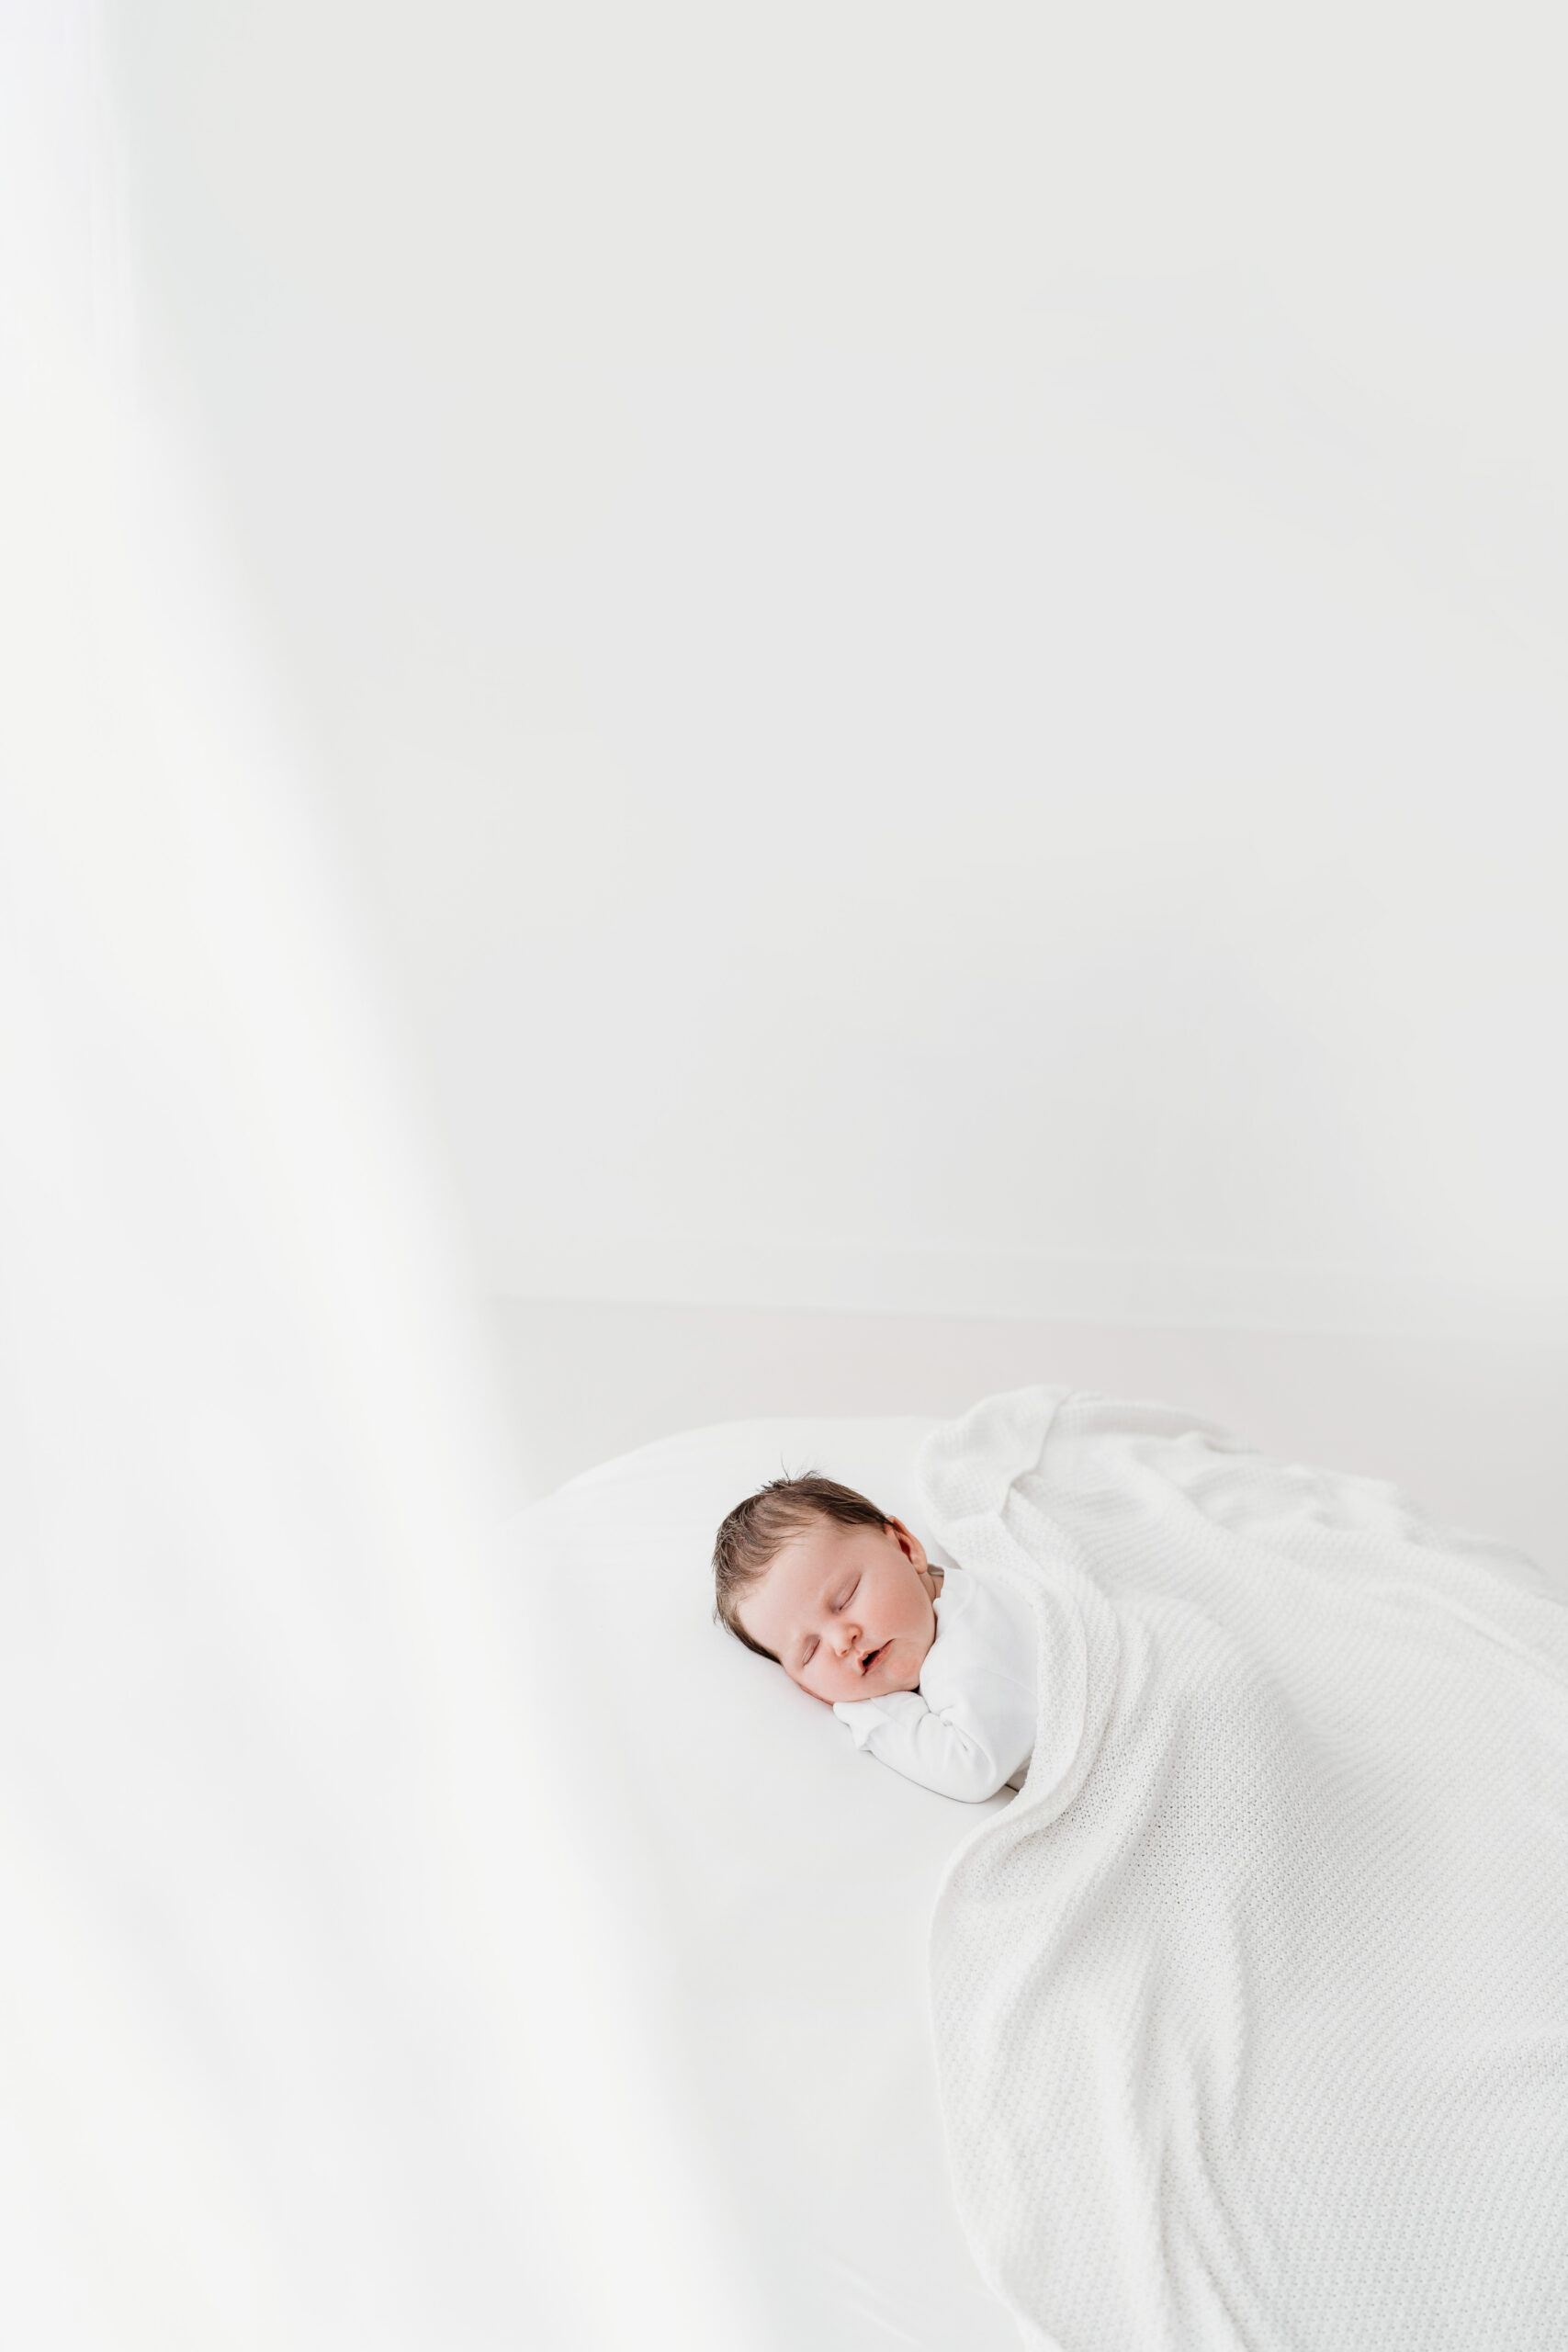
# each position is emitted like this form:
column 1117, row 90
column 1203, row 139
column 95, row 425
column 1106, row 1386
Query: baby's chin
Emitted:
column 898, row 1671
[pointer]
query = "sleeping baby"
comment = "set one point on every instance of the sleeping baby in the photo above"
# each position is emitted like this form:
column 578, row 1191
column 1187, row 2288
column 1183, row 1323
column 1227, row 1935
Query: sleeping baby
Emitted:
column 932, row 1670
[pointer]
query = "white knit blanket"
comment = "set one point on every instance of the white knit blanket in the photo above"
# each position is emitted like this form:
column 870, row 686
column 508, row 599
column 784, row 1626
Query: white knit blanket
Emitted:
column 1251, row 2012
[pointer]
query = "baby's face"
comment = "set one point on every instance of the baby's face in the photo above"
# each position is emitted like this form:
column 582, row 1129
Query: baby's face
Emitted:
column 846, row 1610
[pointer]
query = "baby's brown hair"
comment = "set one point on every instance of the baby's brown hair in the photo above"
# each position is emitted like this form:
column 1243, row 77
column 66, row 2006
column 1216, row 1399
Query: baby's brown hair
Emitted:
column 750, row 1539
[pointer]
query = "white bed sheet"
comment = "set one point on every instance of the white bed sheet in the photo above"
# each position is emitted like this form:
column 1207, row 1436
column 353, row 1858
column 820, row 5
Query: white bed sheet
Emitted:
column 778, row 1883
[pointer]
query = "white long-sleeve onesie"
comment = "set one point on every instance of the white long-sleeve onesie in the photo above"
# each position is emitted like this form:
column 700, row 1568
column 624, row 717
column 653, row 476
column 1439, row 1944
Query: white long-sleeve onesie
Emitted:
column 969, row 1729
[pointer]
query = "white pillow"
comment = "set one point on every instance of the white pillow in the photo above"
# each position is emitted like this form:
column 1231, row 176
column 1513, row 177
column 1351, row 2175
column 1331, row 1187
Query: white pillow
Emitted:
column 780, row 1883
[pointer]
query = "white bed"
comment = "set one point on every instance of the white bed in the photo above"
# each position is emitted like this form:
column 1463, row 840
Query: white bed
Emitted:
column 779, row 1886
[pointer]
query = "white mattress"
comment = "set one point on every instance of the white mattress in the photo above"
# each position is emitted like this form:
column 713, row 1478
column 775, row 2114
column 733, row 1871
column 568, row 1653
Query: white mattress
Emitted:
column 779, row 1883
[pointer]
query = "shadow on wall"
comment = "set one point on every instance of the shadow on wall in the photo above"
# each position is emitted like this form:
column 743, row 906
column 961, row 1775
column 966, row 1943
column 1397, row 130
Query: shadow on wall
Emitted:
column 1470, row 1428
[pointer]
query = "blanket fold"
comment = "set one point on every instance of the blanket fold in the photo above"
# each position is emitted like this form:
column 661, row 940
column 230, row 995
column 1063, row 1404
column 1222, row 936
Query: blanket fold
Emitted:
column 1252, row 2012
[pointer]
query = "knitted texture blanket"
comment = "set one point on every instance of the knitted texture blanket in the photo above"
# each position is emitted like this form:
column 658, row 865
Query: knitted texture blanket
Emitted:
column 1251, row 2012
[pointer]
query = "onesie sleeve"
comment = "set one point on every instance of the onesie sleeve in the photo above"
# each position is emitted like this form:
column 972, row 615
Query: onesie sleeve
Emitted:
column 937, row 1749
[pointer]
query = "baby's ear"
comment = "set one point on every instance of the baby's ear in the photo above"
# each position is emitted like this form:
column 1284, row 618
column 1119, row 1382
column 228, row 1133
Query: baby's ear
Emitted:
column 911, row 1545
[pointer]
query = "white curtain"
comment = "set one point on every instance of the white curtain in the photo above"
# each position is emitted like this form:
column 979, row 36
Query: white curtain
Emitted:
column 309, row 2031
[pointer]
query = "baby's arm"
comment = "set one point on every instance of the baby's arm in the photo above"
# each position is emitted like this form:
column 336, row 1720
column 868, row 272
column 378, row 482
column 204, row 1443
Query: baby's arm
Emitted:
column 938, row 1750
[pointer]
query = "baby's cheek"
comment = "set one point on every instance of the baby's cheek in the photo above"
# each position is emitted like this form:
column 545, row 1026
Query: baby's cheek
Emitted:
column 919, row 1664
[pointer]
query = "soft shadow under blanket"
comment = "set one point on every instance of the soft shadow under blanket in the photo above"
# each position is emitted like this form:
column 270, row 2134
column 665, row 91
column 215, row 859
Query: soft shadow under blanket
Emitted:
column 1251, row 2012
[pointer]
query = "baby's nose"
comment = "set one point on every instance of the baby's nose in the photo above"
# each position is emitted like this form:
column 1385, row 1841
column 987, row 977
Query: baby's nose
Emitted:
column 849, row 1640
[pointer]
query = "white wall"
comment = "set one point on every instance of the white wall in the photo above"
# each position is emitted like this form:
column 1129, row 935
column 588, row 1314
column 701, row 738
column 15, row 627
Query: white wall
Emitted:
column 937, row 630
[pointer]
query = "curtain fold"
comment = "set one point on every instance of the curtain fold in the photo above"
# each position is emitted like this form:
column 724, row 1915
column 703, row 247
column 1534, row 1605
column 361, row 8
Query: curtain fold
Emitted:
column 311, row 2031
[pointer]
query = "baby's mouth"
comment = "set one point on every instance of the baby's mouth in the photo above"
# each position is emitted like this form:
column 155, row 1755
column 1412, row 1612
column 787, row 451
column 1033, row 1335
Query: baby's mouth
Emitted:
column 870, row 1659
